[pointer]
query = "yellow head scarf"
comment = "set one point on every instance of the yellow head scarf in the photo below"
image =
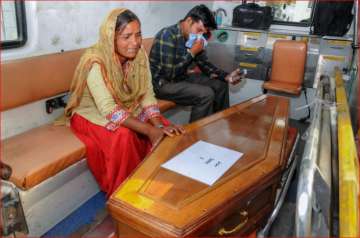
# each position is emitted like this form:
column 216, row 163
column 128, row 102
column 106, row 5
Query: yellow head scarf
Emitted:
column 127, row 92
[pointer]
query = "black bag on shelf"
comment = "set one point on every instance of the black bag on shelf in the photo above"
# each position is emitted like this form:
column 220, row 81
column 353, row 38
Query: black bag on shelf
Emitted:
column 251, row 15
column 332, row 18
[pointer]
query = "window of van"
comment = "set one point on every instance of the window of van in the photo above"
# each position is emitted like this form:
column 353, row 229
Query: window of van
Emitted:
column 291, row 12
column 13, row 24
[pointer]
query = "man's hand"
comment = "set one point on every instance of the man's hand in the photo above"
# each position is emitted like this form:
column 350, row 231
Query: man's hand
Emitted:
column 234, row 77
column 197, row 47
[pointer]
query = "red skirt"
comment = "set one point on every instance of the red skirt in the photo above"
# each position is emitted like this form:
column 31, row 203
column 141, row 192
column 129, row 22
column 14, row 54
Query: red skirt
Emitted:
column 111, row 155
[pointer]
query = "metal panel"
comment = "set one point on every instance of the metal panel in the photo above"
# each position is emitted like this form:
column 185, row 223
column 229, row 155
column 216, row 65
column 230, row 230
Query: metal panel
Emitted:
column 252, row 39
column 227, row 37
column 256, row 47
column 334, row 52
column 250, row 54
column 305, row 192
column 254, row 71
column 313, row 45
column 336, row 47
column 272, row 37
column 326, row 65
column 222, row 55
column 314, row 195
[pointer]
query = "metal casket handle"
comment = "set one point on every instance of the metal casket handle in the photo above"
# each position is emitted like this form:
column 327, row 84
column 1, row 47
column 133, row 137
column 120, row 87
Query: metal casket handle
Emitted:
column 225, row 232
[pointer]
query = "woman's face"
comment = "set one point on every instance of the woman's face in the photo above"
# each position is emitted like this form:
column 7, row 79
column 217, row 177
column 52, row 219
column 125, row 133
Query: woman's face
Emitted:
column 128, row 41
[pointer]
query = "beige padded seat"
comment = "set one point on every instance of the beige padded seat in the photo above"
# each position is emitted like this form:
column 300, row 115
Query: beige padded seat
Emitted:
column 40, row 153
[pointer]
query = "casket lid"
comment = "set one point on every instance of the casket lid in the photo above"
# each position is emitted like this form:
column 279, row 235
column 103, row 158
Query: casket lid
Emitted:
column 159, row 202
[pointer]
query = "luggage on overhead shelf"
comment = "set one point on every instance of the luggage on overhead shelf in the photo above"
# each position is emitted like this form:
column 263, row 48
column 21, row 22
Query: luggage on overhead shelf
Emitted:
column 332, row 18
column 251, row 15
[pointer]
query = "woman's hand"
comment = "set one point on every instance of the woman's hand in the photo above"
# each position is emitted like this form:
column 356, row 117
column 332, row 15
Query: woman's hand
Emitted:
column 155, row 135
column 172, row 130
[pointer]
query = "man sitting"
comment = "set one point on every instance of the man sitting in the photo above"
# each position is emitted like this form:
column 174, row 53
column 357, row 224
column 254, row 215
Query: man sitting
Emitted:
column 175, row 50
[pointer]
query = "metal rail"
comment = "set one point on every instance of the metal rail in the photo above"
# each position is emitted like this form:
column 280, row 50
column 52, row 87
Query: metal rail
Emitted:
column 293, row 159
column 349, row 219
column 308, row 168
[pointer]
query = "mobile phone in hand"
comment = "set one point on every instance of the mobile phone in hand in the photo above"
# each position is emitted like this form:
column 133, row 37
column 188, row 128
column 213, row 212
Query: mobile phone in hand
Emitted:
column 243, row 72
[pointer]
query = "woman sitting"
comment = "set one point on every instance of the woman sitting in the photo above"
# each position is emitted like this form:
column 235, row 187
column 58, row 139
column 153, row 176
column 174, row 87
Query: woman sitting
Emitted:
column 112, row 105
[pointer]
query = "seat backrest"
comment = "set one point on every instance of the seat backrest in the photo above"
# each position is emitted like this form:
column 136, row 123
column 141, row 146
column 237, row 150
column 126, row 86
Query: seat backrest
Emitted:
column 30, row 79
column 288, row 62
column 147, row 43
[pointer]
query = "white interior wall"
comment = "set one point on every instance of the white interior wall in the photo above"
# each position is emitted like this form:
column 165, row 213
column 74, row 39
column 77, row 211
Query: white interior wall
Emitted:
column 67, row 25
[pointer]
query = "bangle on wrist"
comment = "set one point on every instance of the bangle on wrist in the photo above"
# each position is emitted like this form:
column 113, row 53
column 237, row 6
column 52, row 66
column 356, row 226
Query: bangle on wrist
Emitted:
column 189, row 51
column 160, row 126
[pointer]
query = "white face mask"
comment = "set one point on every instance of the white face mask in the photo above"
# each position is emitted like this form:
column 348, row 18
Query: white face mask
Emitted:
column 193, row 37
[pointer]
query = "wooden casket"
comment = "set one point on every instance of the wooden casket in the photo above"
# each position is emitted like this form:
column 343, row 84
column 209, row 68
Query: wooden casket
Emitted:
column 157, row 202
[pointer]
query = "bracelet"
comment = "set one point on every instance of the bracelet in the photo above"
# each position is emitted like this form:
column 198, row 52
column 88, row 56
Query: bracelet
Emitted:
column 160, row 126
column 189, row 51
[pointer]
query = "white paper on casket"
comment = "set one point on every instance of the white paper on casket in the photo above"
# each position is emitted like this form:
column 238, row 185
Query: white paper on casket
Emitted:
column 203, row 161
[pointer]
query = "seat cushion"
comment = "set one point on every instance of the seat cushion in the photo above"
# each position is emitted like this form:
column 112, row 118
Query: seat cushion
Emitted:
column 40, row 153
column 283, row 87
